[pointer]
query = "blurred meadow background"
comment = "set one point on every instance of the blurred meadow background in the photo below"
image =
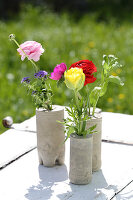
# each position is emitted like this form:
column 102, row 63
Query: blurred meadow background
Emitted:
column 69, row 32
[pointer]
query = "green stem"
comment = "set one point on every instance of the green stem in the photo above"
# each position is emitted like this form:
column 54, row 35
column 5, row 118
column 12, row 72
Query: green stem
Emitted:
column 49, row 96
column 79, row 96
column 88, row 105
column 93, row 111
column 36, row 68
column 76, row 98
column 88, row 100
column 77, row 105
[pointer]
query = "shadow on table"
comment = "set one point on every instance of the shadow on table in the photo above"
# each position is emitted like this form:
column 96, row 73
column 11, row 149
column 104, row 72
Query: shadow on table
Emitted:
column 54, row 182
column 94, row 190
column 49, row 177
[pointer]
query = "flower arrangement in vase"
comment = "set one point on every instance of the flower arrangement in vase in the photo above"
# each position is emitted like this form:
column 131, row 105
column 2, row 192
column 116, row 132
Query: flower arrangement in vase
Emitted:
column 83, row 126
column 50, row 134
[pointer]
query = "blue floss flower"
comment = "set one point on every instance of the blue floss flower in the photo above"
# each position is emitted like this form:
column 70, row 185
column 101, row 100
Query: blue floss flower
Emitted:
column 26, row 80
column 40, row 74
column 34, row 92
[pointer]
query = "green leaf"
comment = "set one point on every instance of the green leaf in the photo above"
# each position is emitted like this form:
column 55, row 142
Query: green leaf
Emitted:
column 69, row 132
column 94, row 95
column 68, row 109
column 60, row 122
column 84, row 133
column 102, row 76
column 105, row 65
column 110, row 63
column 106, row 68
column 105, row 59
column 104, row 88
column 89, row 130
column 83, row 126
column 115, row 79
column 112, row 57
column 92, row 127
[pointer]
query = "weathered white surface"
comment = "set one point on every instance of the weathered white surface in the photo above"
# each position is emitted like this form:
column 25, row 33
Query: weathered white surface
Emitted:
column 126, row 193
column 27, row 125
column 117, row 127
column 117, row 166
column 15, row 143
column 25, row 179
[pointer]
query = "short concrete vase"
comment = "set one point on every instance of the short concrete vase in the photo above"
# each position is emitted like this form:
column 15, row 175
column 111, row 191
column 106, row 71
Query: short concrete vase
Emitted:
column 80, row 159
column 96, row 155
column 50, row 136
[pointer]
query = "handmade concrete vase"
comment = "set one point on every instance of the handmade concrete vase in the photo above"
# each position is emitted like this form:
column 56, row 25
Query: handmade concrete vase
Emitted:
column 80, row 159
column 50, row 136
column 96, row 154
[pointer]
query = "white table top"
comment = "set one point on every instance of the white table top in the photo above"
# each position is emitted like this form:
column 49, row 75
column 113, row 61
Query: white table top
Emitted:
column 24, row 179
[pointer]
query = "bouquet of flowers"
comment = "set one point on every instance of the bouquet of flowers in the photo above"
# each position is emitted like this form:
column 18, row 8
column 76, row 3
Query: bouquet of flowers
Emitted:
column 79, row 76
column 37, row 85
column 50, row 134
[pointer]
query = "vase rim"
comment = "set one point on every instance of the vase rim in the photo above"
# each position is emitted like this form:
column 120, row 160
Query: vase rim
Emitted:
column 74, row 135
column 98, row 117
column 54, row 108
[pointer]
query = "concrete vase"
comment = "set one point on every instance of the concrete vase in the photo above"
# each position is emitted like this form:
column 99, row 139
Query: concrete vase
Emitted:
column 50, row 136
column 96, row 154
column 80, row 159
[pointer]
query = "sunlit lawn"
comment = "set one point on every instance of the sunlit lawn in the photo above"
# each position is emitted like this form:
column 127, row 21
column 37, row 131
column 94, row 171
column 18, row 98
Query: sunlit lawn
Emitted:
column 65, row 40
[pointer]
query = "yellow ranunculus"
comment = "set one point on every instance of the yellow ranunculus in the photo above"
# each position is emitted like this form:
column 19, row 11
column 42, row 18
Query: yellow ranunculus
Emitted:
column 74, row 78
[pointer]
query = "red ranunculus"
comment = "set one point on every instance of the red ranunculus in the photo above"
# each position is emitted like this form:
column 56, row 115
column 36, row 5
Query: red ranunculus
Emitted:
column 88, row 69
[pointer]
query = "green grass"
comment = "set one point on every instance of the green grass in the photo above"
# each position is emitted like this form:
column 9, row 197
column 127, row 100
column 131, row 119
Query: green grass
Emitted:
column 65, row 40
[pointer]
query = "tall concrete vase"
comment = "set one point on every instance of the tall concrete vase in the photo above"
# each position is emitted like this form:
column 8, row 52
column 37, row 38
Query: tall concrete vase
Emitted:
column 80, row 159
column 50, row 136
column 96, row 154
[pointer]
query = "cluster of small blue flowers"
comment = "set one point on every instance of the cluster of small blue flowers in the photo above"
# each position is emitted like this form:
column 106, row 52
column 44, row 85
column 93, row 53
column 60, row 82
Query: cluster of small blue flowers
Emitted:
column 39, row 74
column 26, row 80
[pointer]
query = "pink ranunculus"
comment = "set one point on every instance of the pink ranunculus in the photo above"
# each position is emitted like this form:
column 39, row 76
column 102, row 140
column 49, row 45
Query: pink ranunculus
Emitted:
column 58, row 71
column 32, row 49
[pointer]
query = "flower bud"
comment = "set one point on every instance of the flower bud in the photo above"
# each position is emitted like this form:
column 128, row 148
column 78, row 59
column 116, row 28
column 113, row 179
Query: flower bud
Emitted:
column 11, row 36
column 74, row 78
